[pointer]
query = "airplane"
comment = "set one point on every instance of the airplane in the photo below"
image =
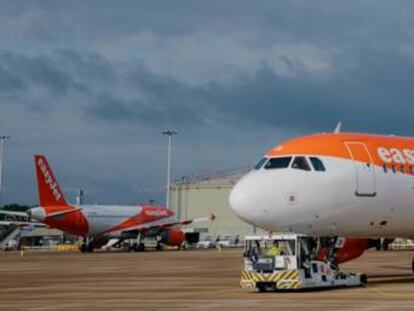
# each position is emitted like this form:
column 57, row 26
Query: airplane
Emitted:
column 349, row 186
column 97, row 224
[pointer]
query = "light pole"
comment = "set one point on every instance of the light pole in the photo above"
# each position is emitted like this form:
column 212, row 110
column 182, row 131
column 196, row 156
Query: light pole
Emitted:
column 3, row 138
column 80, row 196
column 169, row 132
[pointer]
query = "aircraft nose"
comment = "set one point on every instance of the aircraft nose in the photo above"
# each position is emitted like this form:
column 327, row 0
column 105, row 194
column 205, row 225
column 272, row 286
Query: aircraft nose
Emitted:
column 241, row 201
column 259, row 199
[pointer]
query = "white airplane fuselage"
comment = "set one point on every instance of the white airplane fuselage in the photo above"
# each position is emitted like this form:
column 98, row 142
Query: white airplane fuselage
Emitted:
column 365, row 190
column 99, row 220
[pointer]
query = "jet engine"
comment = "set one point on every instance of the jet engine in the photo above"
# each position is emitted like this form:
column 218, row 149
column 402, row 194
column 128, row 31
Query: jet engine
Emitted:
column 172, row 237
column 340, row 250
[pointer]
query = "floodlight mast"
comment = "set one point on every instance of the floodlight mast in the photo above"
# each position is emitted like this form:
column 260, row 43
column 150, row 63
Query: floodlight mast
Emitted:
column 3, row 138
column 169, row 132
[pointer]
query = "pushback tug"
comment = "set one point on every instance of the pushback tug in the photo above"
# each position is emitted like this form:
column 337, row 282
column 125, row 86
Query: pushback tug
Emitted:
column 291, row 262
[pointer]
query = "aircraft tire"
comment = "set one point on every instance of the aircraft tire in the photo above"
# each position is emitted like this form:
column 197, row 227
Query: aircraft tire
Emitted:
column 89, row 248
column 138, row 247
column 83, row 248
column 412, row 266
column 364, row 280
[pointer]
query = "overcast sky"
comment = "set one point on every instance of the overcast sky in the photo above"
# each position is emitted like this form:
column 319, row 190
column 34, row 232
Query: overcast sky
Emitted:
column 92, row 84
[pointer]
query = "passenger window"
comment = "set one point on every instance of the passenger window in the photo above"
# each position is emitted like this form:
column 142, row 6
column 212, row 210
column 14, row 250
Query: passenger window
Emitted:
column 317, row 164
column 301, row 163
column 260, row 164
column 277, row 163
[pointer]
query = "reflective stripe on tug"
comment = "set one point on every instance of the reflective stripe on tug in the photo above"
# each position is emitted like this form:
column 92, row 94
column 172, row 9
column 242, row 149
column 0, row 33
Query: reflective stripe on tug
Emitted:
column 283, row 280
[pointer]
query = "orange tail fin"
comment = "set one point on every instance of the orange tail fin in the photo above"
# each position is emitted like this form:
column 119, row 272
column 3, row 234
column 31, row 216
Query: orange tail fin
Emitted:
column 49, row 191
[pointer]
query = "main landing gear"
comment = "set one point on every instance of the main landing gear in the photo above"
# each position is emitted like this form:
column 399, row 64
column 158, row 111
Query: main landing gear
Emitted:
column 412, row 266
column 138, row 245
column 159, row 247
column 86, row 246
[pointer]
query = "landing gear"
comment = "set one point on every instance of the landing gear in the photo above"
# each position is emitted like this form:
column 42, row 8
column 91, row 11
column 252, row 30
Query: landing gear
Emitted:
column 330, row 244
column 89, row 247
column 412, row 266
column 86, row 246
column 82, row 248
column 138, row 247
column 159, row 247
column 384, row 244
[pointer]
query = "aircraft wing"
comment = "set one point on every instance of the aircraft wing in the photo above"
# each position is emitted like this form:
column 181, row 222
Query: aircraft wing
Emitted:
column 27, row 214
column 167, row 223
column 22, row 224
column 13, row 213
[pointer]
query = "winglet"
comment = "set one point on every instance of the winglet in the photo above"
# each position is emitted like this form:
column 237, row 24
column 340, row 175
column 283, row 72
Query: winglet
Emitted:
column 338, row 128
column 49, row 190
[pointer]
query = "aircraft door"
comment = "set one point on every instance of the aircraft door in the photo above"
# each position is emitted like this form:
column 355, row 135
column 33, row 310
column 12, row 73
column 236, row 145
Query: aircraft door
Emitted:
column 364, row 168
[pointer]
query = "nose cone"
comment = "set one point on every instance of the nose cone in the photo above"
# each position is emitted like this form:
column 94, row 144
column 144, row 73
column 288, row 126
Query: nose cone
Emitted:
column 37, row 213
column 259, row 199
column 242, row 201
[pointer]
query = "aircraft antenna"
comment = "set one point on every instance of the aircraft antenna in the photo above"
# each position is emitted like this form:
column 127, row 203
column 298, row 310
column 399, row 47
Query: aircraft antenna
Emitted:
column 338, row 127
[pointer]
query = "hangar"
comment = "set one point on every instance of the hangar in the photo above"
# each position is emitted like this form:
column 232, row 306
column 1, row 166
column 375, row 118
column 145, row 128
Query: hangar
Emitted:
column 192, row 198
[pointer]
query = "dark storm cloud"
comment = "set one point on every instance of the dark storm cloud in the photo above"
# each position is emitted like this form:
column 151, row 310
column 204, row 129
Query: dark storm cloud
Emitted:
column 45, row 72
column 365, row 97
column 10, row 82
column 65, row 72
column 264, row 100
column 368, row 97
column 92, row 83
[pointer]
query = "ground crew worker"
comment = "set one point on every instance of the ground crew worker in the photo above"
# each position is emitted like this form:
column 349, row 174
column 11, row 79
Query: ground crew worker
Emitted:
column 273, row 250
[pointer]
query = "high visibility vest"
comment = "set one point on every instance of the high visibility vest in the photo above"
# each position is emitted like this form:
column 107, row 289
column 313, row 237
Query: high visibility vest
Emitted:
column 273, row 251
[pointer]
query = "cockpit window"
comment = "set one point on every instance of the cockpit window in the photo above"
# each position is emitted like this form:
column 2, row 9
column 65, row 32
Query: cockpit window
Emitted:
column 260, row 164
column 317, row 164
column 301, row 163
column 277, row 163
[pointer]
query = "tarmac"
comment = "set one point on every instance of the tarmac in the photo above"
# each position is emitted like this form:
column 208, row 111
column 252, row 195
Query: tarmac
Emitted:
column 185, row 280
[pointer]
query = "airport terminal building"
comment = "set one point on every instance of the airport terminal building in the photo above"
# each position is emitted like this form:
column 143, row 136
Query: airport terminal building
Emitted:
column 198, row 198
